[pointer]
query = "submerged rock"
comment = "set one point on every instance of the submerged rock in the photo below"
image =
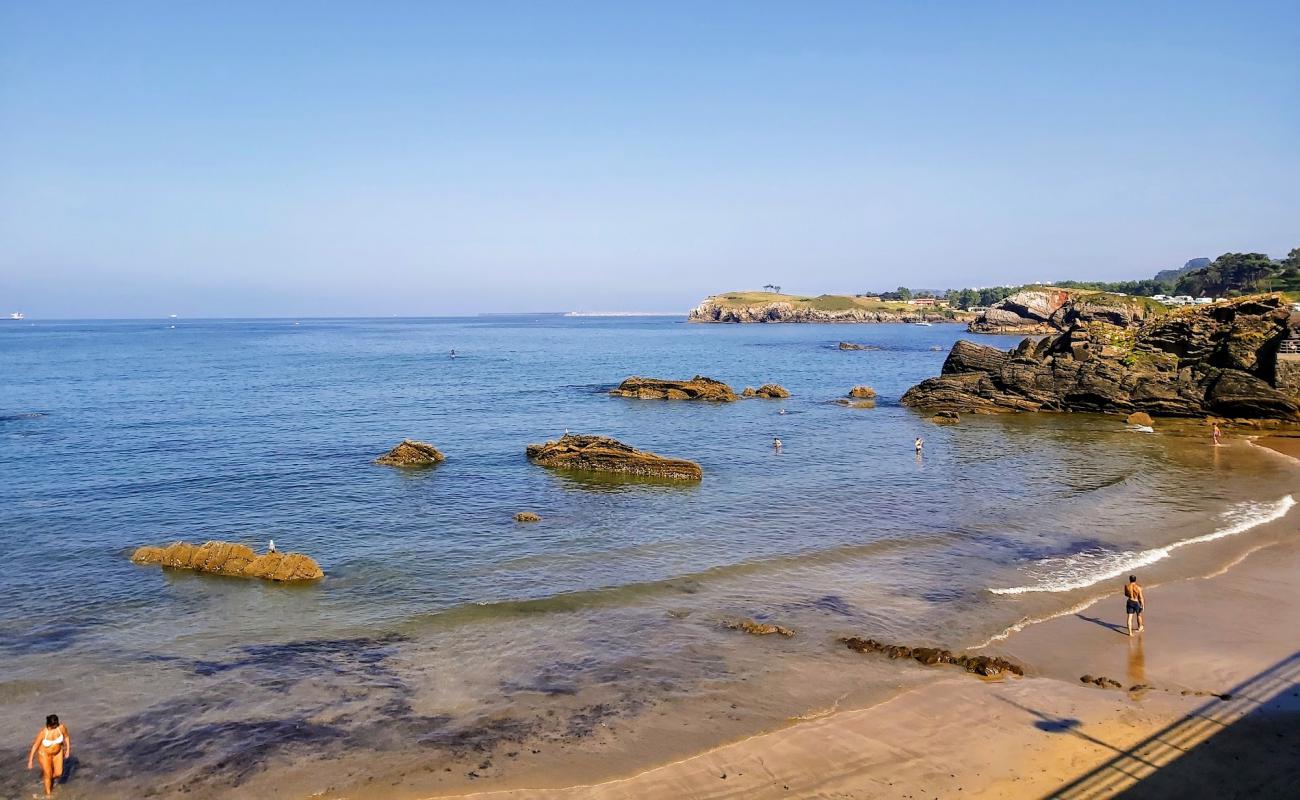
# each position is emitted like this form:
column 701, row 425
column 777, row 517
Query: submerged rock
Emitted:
column 945, row 418
column 853, row 346
column 1140, row 418
column 987, row 666
column 862, row 392
column 234, row 560
column 697, row 388
column 1103, row 682
column 1218, row 359
column 527, row 516
column 602, row 454
column 411, row 453
column 757, row 628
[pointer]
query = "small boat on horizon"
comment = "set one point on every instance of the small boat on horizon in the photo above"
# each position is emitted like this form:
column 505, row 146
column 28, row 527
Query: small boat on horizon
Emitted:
column 17, row 316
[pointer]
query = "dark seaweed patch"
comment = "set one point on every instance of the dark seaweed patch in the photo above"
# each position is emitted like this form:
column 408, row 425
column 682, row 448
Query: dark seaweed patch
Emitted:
column 48, row 638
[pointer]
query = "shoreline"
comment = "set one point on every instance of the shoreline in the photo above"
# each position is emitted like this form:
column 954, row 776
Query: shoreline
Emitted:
column 1047, row 732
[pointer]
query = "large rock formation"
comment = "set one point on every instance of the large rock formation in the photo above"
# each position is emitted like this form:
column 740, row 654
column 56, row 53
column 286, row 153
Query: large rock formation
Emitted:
column 1049, row 310
column 602, row 454
column 234, row 560
column 1219, row 359
column 697, row 388
column 411, row 453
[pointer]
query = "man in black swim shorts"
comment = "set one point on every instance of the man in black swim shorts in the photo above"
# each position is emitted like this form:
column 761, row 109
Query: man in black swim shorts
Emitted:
column 1134, row 600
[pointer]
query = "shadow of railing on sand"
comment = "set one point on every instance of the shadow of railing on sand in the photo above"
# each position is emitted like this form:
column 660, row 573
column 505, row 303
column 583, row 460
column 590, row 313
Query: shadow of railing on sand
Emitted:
column 1246, row 745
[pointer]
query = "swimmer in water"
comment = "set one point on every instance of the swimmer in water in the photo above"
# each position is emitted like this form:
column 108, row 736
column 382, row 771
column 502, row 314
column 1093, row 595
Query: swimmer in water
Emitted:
column 453, row 353
column 53, row 746
column 920, row 443
column 776, row 444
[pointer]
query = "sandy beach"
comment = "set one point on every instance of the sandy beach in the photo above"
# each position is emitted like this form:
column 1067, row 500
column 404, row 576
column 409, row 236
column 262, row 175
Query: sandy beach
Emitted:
column 1219, row 715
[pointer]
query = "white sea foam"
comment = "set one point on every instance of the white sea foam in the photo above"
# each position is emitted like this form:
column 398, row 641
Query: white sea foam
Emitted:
column 1082, row 570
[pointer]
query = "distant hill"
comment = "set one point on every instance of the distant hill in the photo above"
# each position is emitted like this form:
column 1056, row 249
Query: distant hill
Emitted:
column 1172, row 275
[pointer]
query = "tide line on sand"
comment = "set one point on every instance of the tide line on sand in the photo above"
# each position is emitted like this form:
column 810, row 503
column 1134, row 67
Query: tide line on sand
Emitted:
column 1086, row 569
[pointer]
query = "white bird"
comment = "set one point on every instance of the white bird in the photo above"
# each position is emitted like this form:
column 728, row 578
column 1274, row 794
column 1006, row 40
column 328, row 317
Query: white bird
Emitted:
column 270, row 547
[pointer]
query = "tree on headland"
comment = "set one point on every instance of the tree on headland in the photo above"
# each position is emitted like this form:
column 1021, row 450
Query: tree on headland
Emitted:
column 904, row 293
column 775, row 289
column 1230, row 273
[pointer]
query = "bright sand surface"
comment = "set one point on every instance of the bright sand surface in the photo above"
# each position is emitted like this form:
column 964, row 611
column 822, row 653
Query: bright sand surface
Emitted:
column 1049, row 734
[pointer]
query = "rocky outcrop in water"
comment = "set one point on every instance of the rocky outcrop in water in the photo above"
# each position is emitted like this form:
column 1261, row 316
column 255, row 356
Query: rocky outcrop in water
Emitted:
column 988, row 666
column 527, row 516
column 852, row 346
column 233, row 560
column 1220, row 359
column 1048, row 311
column 411, row 453
column 825, row 308
column 770, row 391
column 757, row 628
column 697, row 388
column 862, row 393
column 602, row 454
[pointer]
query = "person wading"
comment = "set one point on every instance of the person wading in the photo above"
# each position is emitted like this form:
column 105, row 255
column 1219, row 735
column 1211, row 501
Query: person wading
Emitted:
column 53, row 745
column 1134, row 600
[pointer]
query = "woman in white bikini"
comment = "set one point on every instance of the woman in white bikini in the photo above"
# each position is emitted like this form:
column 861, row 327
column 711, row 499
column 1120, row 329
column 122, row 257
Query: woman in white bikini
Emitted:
column 53, row 744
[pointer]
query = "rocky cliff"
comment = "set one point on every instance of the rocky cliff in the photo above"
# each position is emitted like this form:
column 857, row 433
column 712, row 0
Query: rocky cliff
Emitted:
column 1221, row 359
column 768, row 307
column 1048, row 310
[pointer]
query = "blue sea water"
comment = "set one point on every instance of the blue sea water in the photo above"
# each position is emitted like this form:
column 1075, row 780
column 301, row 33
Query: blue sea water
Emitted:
column 446, row 617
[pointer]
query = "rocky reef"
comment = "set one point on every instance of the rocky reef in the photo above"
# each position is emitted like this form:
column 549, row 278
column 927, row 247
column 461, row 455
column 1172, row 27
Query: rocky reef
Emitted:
column 862, row 392
column 856, row 346
column 1221, row 359
column 756, row 628
column 602, row 454
column 411, row 453
column 988, row 666
column 1048, row 310
column 697, row 388
column 527, row 516
column 770, row 391
column 233, row 560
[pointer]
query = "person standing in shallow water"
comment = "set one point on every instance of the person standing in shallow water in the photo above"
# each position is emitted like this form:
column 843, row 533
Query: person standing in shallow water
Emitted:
column 53, row 745
column 1134, row 600
column 920, row 443
column 1216, row 434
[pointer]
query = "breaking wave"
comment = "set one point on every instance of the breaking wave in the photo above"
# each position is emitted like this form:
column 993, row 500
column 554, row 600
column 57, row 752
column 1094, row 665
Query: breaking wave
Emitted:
column 1081, row 570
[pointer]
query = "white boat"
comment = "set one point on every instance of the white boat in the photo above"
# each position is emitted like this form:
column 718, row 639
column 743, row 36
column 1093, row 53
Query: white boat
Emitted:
column 17, row 315
column 923, row 322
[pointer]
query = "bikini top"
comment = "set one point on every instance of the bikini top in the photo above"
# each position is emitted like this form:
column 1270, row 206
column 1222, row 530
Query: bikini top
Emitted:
column 58, row 739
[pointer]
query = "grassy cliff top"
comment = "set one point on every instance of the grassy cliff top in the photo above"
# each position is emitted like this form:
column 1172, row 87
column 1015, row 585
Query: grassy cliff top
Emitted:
column 822, row 302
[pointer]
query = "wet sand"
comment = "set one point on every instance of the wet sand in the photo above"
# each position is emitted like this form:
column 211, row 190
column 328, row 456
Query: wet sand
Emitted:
column 1234, row 633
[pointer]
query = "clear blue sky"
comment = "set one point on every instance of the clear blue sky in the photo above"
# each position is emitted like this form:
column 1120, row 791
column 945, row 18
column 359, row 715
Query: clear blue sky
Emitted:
column 316, row 158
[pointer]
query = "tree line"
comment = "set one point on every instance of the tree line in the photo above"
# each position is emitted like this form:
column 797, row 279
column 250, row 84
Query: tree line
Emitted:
column 1229, row 275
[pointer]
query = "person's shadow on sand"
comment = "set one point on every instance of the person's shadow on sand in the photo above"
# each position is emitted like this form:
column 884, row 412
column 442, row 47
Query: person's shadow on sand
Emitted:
column 1103, row 623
